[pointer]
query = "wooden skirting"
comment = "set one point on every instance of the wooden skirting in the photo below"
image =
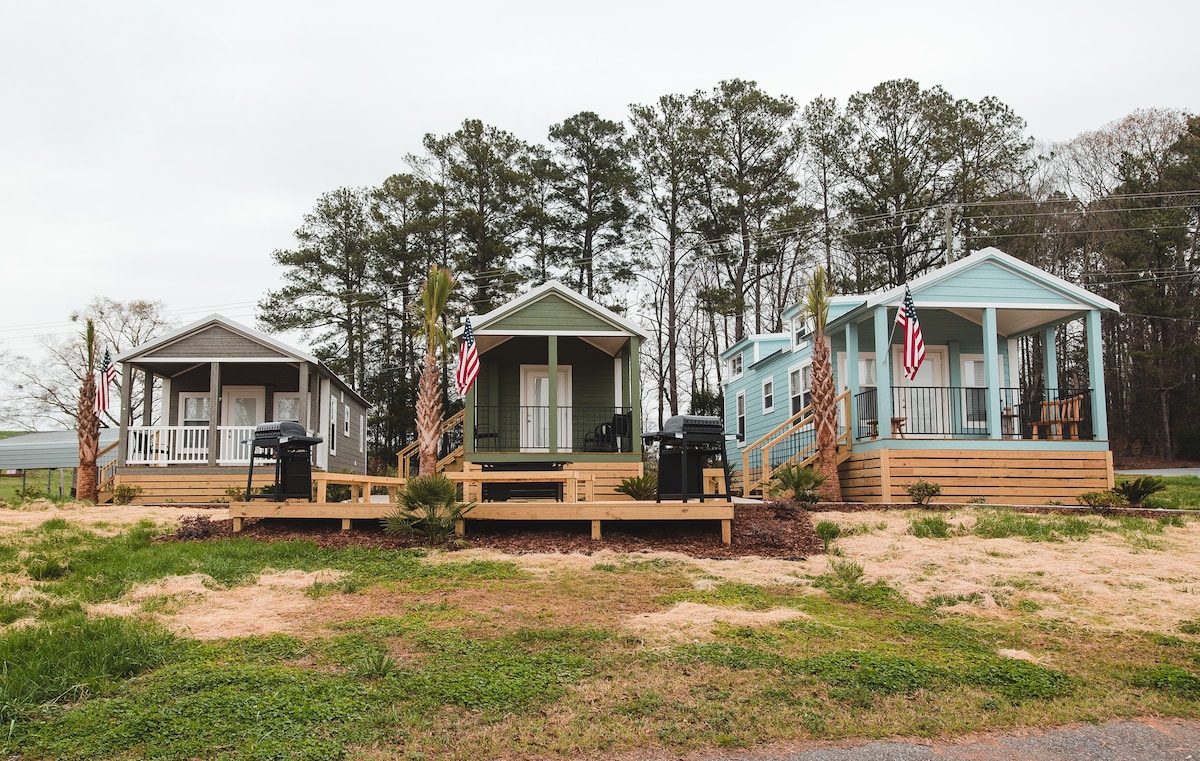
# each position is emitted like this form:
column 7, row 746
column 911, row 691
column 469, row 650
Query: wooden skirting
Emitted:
column 594, row 512
column 175, row 485
column 607, row 476
column 1000, row 477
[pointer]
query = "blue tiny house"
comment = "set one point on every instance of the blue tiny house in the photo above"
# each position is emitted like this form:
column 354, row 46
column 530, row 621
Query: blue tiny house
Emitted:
column 965, row 421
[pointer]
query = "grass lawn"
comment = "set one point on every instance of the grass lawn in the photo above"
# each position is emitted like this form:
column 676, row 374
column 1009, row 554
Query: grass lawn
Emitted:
column 35, row 485
column 919, row 623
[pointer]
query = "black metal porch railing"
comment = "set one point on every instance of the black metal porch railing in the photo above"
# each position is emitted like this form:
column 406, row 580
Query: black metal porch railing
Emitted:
column 527, row 428
column 961, row 412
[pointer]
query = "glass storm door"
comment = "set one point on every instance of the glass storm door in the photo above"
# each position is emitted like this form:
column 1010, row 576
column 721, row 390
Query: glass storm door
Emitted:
column 536, row 412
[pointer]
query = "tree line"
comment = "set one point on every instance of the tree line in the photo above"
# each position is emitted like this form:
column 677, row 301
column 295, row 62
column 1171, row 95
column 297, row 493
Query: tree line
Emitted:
column 702, row 216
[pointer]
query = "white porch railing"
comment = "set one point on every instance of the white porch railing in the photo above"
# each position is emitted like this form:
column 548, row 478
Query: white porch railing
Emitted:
column 187, row 445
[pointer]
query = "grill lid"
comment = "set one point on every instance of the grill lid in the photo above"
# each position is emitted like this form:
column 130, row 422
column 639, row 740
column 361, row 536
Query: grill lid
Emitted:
column 692, row 424
column 282, row 432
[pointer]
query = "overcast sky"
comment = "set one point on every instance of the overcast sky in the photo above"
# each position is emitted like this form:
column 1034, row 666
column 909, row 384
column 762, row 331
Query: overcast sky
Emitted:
column 162, row 150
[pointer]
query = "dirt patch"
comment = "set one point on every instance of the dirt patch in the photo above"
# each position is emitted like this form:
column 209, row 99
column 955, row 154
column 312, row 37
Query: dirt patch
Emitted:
column 693, row 622
column 105, row 520
column 195, row 605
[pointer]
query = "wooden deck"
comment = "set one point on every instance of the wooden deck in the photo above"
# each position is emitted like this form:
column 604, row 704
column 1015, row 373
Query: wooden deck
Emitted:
column 594, row 512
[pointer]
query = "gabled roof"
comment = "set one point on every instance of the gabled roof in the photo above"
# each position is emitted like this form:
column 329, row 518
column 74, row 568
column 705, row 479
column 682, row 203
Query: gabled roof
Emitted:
column 530, row 315
column 216, row 338
column 1025, row 296
column 157, row 348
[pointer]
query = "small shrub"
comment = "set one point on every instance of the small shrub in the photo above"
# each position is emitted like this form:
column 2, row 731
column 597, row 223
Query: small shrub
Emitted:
column 235, row 494
column 1138, row 489
column 27, row 494
column 827, row 531
column 923, row 491
column 376, row 665
column 642, row 488
column 196, row 527
column 426, row 507
column 977, row 501
column 1103, row 501
column 123, row 494
column 800, row 484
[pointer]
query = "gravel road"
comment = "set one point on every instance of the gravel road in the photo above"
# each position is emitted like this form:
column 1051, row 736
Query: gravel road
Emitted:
column 1140, row 740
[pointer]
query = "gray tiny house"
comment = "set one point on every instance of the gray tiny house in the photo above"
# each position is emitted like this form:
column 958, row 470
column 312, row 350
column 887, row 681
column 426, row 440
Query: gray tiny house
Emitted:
column 207, row 386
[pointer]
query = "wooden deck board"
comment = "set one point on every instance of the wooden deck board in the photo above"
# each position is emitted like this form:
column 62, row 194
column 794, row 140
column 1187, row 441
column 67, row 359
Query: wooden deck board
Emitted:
column 595, row 512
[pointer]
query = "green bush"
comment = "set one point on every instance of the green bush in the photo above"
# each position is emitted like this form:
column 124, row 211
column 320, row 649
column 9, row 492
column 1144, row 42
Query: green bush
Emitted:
column 426, row 507
column 923, row 491
column 1103, row 501
column 123, row 494
column 1136, row 491
column 799, row 483
column 642, row 488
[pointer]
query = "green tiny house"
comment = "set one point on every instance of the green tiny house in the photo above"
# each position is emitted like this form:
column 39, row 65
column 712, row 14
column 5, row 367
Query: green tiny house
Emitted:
column 589, row 414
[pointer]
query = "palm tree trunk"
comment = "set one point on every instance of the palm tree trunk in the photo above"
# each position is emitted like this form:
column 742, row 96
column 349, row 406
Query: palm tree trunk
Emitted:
column 429, row 417
column 825, row 412
column 89, row 441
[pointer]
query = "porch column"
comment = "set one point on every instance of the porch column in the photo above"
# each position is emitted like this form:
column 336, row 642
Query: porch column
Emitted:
column 552, row 371
column 305, row 396
column 214, row 411
column 852, row 379
column 1049, row 357
column 991, row 365
column 635, row 394
column 147, row 399
column 1095, row 352
column 883, row 370
column 469, row 420
column 126, row 392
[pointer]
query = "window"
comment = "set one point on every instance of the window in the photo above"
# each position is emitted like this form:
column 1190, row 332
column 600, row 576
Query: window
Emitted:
column 974, row 392
column 801, row 329
column 287, row 407
column 735, row 365
column 333, row 406
column 362, row 433
column 346, row 420
column 741, row 417
column 768, row 396
column 800, row 387
column 194, row 409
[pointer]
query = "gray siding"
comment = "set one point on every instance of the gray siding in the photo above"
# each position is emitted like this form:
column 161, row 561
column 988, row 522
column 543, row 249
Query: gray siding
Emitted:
column 214, row 341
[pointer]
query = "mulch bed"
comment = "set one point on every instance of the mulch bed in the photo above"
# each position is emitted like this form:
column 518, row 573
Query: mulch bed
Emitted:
column 771, row 530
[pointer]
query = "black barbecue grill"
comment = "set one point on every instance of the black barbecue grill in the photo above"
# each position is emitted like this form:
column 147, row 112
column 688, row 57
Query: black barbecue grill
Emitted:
column 290, row 446
column 686, row 445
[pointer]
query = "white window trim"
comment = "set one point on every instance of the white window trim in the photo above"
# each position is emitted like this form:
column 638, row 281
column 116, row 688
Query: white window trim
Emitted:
column 737, row 366
column 801, row 337
column 333, row 405
column 184, row 395
column 739, row 421
column 798, row 368
column 768, row 409
column 285, row 395
column 346, row 421
column 362, row 433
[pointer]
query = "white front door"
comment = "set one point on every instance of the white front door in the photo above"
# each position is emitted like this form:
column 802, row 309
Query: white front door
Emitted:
column 922, row 402
column 536, row 412
column 243, row 405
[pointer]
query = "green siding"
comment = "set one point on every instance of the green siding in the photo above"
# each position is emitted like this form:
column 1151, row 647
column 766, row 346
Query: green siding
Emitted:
column 552, row 313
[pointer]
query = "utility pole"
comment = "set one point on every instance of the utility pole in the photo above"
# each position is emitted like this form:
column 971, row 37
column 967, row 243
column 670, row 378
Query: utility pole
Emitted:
column 949, row 234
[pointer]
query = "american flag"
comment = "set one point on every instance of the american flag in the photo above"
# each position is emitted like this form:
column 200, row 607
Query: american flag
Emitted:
column 914, row 344
column 108, row 374
column 468, row 360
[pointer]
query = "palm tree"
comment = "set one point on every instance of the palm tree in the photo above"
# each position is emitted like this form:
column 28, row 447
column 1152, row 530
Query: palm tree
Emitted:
column 88, row 424
column 434, row 296
column 816, row 306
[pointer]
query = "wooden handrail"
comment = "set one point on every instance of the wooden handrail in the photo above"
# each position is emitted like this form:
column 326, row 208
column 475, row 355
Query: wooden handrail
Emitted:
column 782, row 432
column 404, row 456
column 108, row 471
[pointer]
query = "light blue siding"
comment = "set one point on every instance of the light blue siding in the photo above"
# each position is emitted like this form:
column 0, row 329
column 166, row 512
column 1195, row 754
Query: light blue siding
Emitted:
column 994, row 284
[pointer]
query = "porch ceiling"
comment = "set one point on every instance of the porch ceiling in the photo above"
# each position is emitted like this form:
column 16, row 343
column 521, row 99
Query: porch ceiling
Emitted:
column 609, row 344
column 1013, row 322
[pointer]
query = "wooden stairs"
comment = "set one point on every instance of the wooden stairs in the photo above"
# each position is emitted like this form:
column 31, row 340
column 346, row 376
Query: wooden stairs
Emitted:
column 758, row 467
